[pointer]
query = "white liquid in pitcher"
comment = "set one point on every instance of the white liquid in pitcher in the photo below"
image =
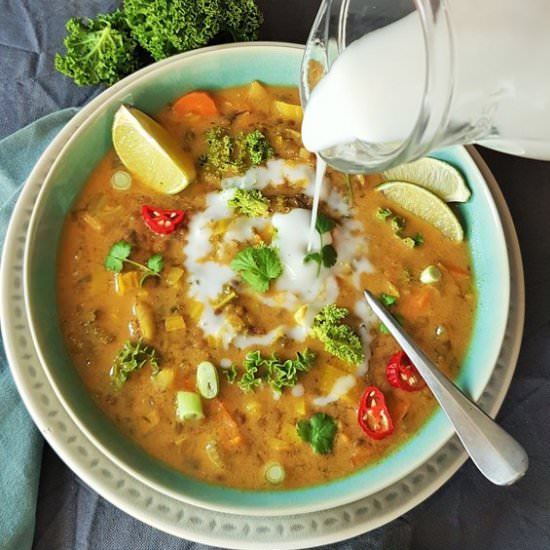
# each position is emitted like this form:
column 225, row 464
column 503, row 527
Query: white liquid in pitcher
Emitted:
column 374, row 90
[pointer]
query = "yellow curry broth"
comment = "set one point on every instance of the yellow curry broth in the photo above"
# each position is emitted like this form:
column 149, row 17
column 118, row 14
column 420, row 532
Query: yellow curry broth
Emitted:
column 242, row 432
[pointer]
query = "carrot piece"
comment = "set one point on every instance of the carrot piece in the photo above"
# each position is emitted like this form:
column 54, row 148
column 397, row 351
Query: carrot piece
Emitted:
column 228, row 423
column 199, row 103
column 456, row 270
column 416, row 303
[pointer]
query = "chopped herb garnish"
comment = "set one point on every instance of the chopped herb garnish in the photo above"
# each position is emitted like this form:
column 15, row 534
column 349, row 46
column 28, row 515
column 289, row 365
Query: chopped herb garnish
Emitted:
column 327, row 255
column 250, row 380
column 119, row 255
column 324, row 224
column 228, row 154
column 256, row 146
column 383, row 213
column 278, row 373
column 319, row 431
column 155, row 263
column 258, row 266
column 418, row 239
column 249, row 203
column 231, row 373
column 398, row 225
column 388, row 299
column 337, row 337
column 132, row 357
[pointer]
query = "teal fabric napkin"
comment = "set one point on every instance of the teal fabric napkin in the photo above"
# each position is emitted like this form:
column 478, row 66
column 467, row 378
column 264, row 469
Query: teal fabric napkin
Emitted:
column 20, row 441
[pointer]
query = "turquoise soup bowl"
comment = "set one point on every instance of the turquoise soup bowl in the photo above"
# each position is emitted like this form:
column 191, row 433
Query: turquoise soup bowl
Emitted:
column 150, row 89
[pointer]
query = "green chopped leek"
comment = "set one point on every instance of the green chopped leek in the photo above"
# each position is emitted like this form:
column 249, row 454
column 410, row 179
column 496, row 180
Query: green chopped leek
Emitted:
column 275, row 473
column 188, row 406
column 208, row 382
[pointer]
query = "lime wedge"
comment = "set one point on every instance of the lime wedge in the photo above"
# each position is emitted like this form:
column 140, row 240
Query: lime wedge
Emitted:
column 435, row 175
column 150, row 153
column 425, row 205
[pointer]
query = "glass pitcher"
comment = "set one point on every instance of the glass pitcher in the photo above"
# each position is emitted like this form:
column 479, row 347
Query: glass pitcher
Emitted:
column 387, row 81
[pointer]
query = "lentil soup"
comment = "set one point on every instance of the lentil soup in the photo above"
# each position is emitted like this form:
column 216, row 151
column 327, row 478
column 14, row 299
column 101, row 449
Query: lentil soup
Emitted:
column 214, row 338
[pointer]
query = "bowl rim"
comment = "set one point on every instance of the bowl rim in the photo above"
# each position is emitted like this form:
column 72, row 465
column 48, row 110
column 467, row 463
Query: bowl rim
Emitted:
column 83, row 120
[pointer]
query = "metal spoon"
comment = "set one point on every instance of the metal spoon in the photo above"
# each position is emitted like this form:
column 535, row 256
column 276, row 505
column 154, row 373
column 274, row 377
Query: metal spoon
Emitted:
column 498, row 456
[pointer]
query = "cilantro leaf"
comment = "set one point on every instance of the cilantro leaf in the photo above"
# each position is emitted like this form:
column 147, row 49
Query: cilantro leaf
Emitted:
column 312, row 257
column 155, row 263
column 328, row 255
column 116, row 256
column 324, row 224
column 319, row 431
column 119, row 254
column 337, row 337
column 258, row 266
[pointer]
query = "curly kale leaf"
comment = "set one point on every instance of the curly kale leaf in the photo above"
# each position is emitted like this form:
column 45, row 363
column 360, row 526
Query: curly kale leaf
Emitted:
column 337, row 337
column 98, row 51
column 167, row 27
column 242, row 19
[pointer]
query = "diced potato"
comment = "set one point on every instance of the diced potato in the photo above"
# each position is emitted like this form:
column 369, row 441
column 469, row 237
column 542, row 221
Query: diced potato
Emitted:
column 145, row 319
column 258, row 94
column 288, row 433
column 172, row 275
column 299, row 406
column 173, row 323
column 288, row 110
column 126, row 282
column 196, row 310
column 329, row 377
column 164, row 379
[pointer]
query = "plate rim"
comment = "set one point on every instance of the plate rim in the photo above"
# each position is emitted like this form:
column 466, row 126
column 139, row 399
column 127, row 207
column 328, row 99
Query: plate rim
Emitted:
column 232, row 500
column 29, row 195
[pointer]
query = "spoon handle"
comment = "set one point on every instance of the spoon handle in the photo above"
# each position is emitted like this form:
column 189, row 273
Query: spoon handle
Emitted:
column 499, row 457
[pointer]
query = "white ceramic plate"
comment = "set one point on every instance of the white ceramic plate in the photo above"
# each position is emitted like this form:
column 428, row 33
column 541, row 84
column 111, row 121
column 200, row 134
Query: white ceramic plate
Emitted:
column 189, row 521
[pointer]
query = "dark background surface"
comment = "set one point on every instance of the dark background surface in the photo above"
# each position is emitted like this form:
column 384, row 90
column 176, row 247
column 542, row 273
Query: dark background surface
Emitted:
column 468, row 512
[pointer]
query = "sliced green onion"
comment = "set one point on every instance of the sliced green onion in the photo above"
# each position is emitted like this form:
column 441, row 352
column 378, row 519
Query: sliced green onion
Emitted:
column 188, row 406
column 430, row 274
column 208, row 381
column 121, row 180
column 275, row 473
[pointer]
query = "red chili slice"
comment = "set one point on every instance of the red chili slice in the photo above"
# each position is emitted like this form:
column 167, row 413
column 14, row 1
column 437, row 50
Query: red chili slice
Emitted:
column 373, row 415
column 402, row 374
column 161, row 221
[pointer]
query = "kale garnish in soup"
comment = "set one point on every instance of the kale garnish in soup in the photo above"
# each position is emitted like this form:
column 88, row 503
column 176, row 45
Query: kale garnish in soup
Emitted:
column 214, row 334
